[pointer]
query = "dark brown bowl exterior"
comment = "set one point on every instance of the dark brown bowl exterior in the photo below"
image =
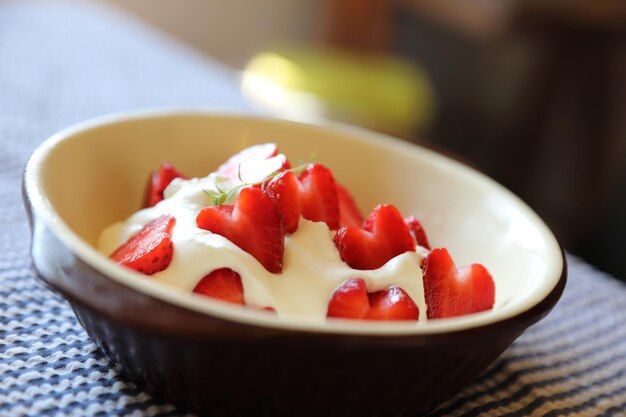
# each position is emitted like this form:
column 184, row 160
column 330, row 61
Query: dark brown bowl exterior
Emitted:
column 227, row 368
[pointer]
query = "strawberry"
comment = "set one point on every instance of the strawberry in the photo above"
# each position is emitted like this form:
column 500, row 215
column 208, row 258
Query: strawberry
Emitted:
column 253, row 223
column 384, row 235
column 253, row 164
column 319, row 196
column 311, row 195
column 223, row 284
column 158, row 182
column 349, row 213
column 285, row 189
column 392, row 303
column 417, row 231
column 454, row 292
column 150, row 250
column 352, row 301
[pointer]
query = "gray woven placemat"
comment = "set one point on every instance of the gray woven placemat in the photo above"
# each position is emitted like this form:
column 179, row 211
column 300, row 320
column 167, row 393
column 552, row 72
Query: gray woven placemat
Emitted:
column 64, row 62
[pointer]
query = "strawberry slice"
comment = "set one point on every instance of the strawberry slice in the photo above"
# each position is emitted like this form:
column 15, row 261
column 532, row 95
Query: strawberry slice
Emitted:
column 223, row 284
column 417, row 231
column 312, row 195
column 253, row 164
column 285, row 189
column 384, row 236
column 319, row 196
column 349, row 213
column 158, row 182
column 253, row 223
column 454, row 292
column 392, row 303
column 150, row 250
column 352, row 301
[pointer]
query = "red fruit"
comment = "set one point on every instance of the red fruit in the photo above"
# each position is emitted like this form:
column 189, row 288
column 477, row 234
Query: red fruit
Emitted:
column 349, row 213
column 159, row 180
column 319, row 196
column 384, row 236
column 392, row 303
column 223, row 284
column 454, row 292
column 150, row 250
column 285, row 189
column 417, row 231
column 253, row 223
column 253, row 164
column 351, row 301
column 312, row 195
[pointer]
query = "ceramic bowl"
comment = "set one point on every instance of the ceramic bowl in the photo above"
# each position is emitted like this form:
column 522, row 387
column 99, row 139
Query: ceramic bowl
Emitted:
column 228, row 360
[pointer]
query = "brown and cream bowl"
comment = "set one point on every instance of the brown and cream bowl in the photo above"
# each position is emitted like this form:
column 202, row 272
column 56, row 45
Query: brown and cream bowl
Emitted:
column 226, row 360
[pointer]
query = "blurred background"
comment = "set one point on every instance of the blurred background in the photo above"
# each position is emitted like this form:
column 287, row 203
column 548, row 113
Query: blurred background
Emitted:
column 531, row 92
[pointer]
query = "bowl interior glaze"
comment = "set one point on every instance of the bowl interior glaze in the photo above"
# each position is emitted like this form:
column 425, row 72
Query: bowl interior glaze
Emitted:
column 94, row 174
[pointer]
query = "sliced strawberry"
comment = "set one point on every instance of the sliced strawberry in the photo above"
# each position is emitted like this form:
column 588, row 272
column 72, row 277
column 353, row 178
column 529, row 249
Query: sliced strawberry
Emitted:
column 312, row 195
column 392, row 303
column 351, row 301
column 319, row 196
column 384, row 236
column 158, row 182
column 150, row 250
column 417, row 231
column 454, row 292
column 483, row 287
column 253, row 223
column 285, row 189
column 349, row 213
column 223, row 284
column 253, row 164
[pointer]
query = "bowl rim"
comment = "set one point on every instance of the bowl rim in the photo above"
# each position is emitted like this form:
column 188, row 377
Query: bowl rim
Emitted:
column 546, row 295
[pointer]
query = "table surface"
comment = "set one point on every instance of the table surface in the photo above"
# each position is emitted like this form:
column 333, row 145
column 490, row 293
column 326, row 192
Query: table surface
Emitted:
column 61, row 63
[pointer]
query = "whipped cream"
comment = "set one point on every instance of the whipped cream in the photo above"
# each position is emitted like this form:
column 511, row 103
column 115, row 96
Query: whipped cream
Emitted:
column 312, row 270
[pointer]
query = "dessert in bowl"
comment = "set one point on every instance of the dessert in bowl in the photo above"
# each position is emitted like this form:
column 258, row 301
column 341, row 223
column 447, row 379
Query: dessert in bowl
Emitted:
column 263, row 233
column 227, row 359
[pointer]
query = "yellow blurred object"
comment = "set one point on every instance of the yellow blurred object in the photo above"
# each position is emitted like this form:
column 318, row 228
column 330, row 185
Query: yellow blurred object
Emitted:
column 375, row 91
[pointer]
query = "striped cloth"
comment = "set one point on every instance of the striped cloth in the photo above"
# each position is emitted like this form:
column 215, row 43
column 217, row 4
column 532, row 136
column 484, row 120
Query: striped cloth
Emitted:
column 572, row 363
